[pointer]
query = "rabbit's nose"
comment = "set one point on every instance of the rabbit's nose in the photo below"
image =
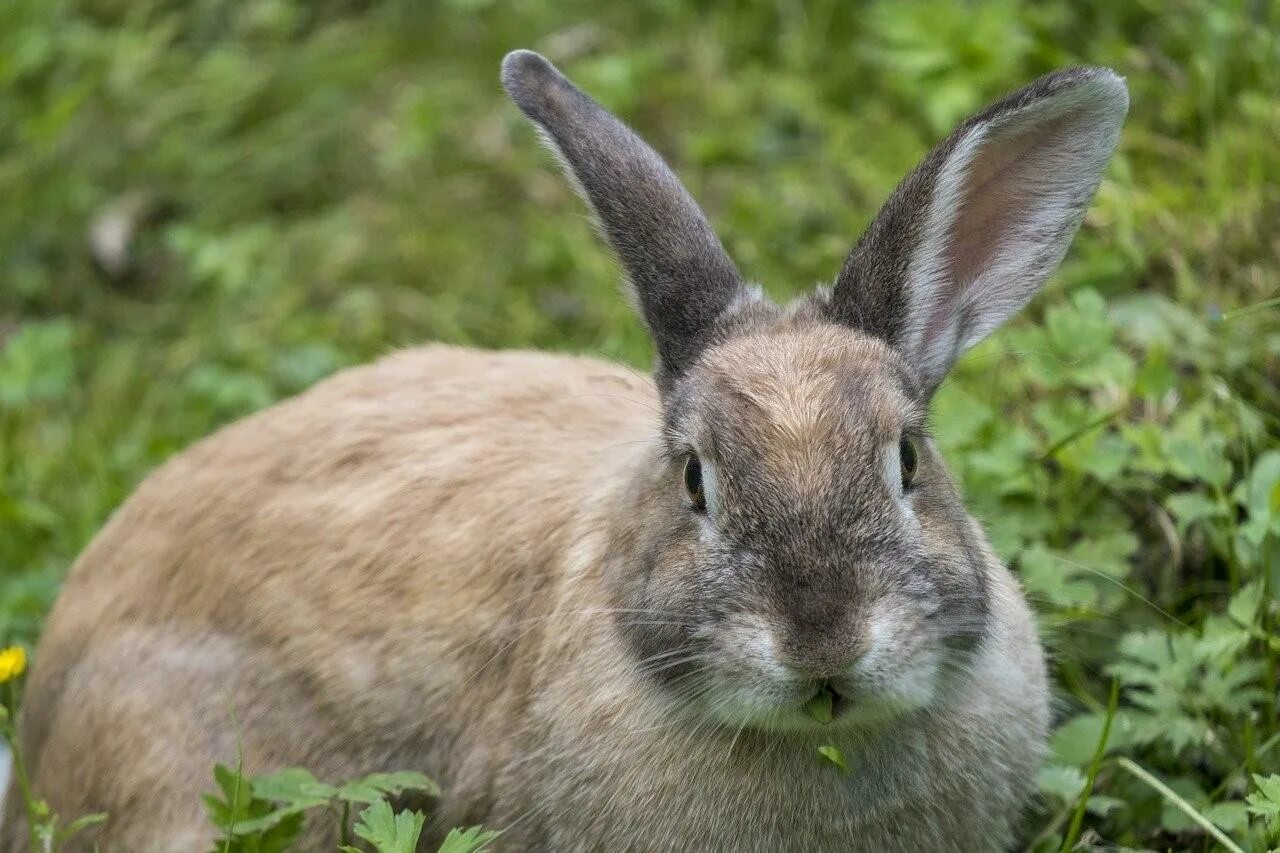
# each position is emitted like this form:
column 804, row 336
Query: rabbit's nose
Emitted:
column 824, row 657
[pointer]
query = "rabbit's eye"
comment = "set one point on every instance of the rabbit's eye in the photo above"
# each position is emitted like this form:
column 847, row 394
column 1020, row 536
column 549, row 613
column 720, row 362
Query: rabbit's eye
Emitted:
column 907, row 461
column 693, row 483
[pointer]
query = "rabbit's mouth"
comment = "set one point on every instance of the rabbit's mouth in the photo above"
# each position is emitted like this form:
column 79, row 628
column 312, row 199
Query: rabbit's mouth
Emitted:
column 832, row 699
column 745, row 681
column 811, row 706
column 837, row 702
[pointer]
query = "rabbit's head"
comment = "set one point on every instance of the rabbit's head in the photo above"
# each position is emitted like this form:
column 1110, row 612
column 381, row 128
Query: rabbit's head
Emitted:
column 798, row 533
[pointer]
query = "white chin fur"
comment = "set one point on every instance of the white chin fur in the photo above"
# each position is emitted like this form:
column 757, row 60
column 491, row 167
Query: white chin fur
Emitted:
column 754, row 688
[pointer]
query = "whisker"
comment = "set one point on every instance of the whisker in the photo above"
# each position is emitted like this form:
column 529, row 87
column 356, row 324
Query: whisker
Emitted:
column 647, row 405
column 1128, row 589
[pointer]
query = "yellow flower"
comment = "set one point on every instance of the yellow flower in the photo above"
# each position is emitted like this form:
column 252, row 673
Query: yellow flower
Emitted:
column 13, row 661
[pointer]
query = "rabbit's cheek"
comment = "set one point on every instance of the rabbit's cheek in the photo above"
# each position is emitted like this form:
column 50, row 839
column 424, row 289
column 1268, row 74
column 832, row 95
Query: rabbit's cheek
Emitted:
column 747, row 683
column 745, row 652
column 912, row 684
column 902, row 665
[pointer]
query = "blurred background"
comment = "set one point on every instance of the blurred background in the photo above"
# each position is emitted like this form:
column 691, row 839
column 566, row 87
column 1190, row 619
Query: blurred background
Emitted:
column 206, row 206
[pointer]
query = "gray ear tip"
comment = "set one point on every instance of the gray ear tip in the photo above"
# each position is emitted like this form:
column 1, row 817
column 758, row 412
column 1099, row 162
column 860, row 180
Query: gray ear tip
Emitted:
column 1114, row 87
column 525, row 76
column 1098, row 92
column 1102, row 86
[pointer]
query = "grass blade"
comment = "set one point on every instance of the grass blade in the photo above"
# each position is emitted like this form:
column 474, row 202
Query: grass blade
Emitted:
column 1077, row 819
column 1180, row 804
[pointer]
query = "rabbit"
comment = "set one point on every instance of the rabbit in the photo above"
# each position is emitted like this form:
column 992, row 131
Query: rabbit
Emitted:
column 598, row 607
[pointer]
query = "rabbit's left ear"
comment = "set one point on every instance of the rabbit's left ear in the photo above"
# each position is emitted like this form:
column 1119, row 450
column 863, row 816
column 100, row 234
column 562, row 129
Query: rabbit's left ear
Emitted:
column 969, row 236
column 682, row 277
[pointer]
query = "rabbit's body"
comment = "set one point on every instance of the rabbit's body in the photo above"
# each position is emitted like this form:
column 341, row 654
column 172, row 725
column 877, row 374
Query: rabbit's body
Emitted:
column 367, row 561
column 334, row 559
column 601, row 610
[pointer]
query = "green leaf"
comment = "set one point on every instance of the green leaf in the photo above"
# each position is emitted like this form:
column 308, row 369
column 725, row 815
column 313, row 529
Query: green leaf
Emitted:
column 268, row 821
column 1194, row 507
column 293, row 786
column 37, row 363
column 377, row 786
column 958, row 418
column 1172, row 818
column 1147, row 439
column 277, row 838
column 470, row 840
column 233, row 806
column 1063, row 783
column 1108, row 553
column 834, row 755
column 1264, row 478
column 1058, row 578
column 1156, row 377
column 1265, row 802
column 1102, row 455
column 1184, row 682
column 1244, row 605
column 1080, row 330
column 819, row 707
column 250, row 824
column 389, row 832
column 1102, row 805
column 1203, row 460
column 1232, row 816
column 1074, row 742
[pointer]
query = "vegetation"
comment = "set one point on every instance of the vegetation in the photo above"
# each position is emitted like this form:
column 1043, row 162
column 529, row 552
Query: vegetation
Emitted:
column 268, row 813
column 305, row 184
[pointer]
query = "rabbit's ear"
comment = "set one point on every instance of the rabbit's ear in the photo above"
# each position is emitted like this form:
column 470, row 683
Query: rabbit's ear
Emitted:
column 681, row 274
column 969, row 237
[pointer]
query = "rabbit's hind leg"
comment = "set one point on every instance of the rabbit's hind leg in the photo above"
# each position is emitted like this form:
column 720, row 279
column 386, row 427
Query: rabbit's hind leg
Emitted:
column 134, row 727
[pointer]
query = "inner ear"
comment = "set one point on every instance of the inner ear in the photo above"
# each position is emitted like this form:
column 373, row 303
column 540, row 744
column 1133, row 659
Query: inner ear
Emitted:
column 990, row 207
column 1005, row 215
column 974, row 231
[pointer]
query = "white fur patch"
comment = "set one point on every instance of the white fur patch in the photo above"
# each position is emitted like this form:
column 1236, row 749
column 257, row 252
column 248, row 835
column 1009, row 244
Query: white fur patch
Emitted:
column 927, row 272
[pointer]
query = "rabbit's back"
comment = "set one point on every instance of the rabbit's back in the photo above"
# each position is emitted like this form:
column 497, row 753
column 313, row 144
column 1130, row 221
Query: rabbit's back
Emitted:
column 355, row 564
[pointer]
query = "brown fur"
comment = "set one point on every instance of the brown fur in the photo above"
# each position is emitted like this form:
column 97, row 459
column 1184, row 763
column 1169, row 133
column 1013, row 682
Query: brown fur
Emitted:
column 498, row 568
column 403, row 568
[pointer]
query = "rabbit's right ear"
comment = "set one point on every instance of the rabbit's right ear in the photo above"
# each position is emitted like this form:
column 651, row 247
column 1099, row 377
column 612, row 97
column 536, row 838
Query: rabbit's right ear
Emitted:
column 682, row 277
column 970, row 235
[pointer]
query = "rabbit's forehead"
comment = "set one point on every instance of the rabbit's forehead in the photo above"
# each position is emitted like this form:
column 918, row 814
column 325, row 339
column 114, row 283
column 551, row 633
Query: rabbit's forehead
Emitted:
column 792, row 394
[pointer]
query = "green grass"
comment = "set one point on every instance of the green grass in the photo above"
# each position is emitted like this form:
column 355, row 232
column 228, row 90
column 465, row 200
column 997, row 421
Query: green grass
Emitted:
column 326, row 180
